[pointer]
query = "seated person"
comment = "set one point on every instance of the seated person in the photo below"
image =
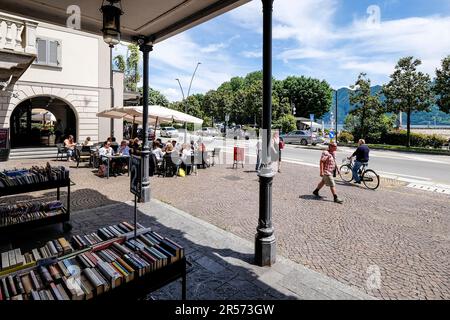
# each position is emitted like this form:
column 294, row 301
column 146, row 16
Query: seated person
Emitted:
column 170, row 160
column 104, row 151
column 157, row 151
column 88, row 142
column 124, row 149
column 114, row 144
column 70, row 145
column 186, row 157
column 161, row 144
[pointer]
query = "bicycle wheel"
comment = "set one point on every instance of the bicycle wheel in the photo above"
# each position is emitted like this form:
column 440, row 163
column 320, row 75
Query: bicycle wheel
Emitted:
column 346, row 173
column 370, row 179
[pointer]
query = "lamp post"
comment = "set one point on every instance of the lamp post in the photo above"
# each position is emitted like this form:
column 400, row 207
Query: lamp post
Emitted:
column 336, row 116
column 111, row 36
column 185, row 99
column 265, row 245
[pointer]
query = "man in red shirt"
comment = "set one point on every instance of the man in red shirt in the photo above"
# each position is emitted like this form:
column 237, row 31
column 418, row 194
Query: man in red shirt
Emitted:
column 327, row 171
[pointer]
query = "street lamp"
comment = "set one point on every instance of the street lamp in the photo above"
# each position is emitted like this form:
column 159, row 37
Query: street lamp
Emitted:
column 185, row 99
column 111, row 21
column 111, row 35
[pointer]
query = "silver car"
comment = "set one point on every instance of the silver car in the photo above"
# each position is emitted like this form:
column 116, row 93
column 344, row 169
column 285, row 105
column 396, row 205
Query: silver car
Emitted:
column 302, row 137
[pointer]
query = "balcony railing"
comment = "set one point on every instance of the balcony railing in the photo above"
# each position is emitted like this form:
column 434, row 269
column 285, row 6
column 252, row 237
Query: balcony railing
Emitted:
column 17, row 34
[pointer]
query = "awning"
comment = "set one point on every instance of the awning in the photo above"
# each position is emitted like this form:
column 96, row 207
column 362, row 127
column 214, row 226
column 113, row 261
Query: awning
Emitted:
column 155, row 20
column 314, row 124
column 155, row 113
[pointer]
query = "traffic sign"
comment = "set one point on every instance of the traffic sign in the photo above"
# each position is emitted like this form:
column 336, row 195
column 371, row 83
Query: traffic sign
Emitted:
column 311, row 117
column 331, row 134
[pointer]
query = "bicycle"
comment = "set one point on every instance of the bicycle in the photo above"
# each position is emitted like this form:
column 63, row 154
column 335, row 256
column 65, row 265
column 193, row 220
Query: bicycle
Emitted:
column 367, row 176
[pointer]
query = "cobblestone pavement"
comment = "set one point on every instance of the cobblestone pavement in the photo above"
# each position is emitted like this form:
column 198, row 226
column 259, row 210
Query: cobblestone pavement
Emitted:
column 399, row 232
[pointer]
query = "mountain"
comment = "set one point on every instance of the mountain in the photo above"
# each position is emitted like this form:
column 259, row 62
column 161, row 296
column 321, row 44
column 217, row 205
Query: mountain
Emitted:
column 417, row 118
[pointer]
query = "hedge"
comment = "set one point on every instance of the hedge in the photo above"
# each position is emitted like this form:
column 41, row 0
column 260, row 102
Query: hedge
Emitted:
column 417, row 139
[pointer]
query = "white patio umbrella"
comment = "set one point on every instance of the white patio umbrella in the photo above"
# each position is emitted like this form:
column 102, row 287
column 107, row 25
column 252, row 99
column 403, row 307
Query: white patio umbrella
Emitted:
column 155, row 114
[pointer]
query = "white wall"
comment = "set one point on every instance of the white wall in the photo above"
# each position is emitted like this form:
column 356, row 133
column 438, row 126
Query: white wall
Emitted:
column 79, row 59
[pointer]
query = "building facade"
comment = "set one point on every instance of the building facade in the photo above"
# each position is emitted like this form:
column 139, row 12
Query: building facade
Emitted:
column 61, row 70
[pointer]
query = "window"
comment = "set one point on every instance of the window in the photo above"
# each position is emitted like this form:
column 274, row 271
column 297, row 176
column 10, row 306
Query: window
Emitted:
column 48, row 52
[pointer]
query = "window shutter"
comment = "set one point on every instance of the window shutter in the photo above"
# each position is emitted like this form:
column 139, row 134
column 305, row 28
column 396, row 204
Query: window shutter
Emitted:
column 53, row 53
column 41, row 51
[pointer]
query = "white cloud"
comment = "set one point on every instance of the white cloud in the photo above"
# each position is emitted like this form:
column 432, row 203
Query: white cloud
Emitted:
column 252, row 54
column 315, row 39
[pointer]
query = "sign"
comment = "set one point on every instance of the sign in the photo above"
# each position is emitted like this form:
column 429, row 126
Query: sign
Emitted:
column 227, row 117
column 4, row 138
column 4, row 144
column 311, row 117
column 136, row 175
column 331, row 134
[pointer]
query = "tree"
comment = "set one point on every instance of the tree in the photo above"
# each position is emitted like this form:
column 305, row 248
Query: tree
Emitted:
column 119, row 61
column 442, row 86
column 409, row 90
column 285, row 123
column 156, row 98
column 132, row 75
column 366, row 106
column 310, row 96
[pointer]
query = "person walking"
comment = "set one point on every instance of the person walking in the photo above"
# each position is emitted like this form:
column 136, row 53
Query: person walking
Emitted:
column 280, row 147
column 328, row 169
column 258, row 154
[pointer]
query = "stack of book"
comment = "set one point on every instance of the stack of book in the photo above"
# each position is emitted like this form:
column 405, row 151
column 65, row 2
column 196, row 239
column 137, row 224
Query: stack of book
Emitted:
column 94, row 270
column 35, row 175
column 13, row 259
column 28, row 211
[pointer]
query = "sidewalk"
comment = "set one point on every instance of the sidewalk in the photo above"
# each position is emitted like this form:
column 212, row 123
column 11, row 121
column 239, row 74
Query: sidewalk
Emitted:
column 222, row 263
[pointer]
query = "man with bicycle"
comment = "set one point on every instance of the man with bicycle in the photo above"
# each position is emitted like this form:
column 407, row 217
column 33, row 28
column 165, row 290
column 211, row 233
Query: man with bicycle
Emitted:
column 362, row 156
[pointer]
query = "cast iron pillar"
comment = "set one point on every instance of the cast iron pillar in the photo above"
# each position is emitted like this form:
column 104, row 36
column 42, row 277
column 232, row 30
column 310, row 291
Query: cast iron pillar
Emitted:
column 265, row 245
column 145, row 194
column 111, row 85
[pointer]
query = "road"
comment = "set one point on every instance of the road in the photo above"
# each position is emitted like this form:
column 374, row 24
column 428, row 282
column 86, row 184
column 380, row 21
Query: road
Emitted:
column 409, row 167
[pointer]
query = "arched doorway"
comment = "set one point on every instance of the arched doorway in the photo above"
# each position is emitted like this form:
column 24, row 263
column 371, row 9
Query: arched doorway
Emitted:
column 41, row 121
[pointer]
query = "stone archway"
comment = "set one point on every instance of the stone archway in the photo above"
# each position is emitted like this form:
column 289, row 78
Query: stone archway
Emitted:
column 27, row 131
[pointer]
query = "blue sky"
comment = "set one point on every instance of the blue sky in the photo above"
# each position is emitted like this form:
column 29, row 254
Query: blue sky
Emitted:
column 333, row 40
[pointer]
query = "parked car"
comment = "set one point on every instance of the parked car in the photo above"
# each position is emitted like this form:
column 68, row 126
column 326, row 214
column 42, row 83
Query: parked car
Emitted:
column 169, row 132
column 208, row 132
column 302, row 137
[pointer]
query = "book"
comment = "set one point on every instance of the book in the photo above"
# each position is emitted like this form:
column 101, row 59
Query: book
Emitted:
column 55, row 291
column 27, row 283
column 35, row 295
column 4, row 288
column 35, row 279
column 62, row 291
column 95, row 282
column 12, row 286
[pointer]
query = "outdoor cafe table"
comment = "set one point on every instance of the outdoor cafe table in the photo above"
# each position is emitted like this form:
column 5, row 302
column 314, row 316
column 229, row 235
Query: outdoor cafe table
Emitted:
column 115, row 157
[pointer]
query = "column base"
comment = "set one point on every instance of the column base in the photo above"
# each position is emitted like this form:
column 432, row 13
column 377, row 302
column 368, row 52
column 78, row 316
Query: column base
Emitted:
column 265, row 251
column 145, row 195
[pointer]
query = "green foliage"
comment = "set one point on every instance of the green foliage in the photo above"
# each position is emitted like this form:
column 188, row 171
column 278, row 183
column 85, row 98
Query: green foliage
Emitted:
column 132, row 75
column 417, row 139
column 346, row 137
column 409, row 90
column 308, row 95
column 367, row 107
column 442, row 85
column 156, row 98
column 378, row 125
column 285, row 123
column 119, row 62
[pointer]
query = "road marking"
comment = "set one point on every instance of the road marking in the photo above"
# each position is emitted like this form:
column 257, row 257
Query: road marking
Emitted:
column 404, row 175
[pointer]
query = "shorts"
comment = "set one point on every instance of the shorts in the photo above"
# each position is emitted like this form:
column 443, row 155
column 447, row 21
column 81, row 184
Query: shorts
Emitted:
column 329, row 181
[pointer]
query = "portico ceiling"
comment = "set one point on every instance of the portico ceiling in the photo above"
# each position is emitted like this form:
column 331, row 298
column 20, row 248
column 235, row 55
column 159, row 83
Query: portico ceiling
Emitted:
column 155, row 19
